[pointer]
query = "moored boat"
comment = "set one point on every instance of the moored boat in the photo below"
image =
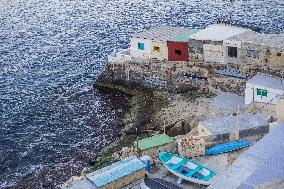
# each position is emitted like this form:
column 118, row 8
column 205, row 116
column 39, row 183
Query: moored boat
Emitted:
column 186, row 169
column 227, row 147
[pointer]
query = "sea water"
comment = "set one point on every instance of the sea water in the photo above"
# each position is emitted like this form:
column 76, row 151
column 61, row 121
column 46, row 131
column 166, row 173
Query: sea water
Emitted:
column 52, row 122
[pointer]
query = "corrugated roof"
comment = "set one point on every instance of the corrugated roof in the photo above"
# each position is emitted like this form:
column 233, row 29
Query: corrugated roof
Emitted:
column 117, row 170
column 267, row 81
column 183, row 37
column 163, row 33
column 261, row 164
column 154, row 141
column 218, row 32
column 234, row 123
column 270, row 40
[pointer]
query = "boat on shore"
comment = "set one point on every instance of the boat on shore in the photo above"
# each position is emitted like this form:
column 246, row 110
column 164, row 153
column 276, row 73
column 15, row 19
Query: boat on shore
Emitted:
column 186, row 169
column 227, row 147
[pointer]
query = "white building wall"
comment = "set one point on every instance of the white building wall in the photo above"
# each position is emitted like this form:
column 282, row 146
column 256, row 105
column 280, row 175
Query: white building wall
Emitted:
column 213, row 53
column 251, row 94
column 137, row 53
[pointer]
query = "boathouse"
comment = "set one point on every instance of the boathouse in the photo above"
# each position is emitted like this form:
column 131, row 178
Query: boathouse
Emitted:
column 178, row 46
column 230, row 128
column 207, row 44
column 120, row 174
column 264, row 89
column 116, row 175
column 152, row 43
column 151, row 146
column 255, row 48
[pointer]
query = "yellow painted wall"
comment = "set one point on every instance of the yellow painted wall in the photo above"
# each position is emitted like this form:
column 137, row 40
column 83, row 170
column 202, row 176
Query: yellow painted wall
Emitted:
column 163, row 53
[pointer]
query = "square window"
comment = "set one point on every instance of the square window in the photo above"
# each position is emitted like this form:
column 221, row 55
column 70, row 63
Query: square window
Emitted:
column 156, row 49
column 233, row 52
column 278, row 54
column 178, row 52
column 141, row 46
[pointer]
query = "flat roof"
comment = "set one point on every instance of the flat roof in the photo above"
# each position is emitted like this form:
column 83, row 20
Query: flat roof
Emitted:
column 270, row 40
column 234, row 123
column 154, row 141
column 267, row 81
column 183, row 37
column 117, row 170
column 260, row 165
column 218, row 32
column 162, row 33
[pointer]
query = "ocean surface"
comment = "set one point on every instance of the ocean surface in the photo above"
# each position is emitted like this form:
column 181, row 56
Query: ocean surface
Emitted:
column 52, row 121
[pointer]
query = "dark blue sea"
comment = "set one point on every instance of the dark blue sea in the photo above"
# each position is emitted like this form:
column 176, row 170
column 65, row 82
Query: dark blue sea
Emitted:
column 52, row 121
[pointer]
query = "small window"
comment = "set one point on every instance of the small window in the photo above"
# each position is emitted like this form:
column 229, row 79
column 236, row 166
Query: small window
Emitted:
column 278, row 54
column 141, row 46
column 178, row 52
column 156, row 49
column 233, row 52
column 253, row 54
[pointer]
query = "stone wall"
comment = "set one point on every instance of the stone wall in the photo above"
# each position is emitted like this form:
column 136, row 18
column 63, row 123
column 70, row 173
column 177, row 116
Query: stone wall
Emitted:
column 182, row 76
column 192, row 146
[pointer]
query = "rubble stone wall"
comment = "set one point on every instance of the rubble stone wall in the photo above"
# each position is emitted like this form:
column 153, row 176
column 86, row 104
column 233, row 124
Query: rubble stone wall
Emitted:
column 182, row 76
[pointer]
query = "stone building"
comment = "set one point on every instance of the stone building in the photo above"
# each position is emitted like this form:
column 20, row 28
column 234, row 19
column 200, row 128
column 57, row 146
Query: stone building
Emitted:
column 231, row 128
column 207, row 44
column 255, row 48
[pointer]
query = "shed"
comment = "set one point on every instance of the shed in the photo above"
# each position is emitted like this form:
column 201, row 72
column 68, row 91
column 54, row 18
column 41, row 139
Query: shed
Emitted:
column 154, row 141
column 261, row 166
column 233, row 127
column 119, row 174
column 151, row 146
column 263, row 88
column 212, row 39
column 152, row 43
column 178, row 46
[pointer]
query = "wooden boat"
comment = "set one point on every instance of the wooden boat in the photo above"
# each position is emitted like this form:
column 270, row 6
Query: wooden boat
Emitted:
column 186, row 169
column 227, row 147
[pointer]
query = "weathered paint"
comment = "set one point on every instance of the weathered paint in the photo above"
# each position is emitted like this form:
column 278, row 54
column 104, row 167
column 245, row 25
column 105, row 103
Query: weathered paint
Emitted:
column 213, row 53
column 162, row 54
column 173, row 46
column 137, row 53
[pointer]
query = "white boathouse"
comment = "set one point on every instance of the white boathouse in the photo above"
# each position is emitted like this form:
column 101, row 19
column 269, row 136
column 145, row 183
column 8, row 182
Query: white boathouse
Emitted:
column 264, row 88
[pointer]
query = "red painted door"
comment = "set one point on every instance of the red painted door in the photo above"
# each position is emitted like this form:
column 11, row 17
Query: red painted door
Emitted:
column 178, row 51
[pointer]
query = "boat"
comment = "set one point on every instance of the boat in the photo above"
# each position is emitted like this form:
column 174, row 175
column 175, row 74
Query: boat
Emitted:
column 227, row 147
column 186, row 169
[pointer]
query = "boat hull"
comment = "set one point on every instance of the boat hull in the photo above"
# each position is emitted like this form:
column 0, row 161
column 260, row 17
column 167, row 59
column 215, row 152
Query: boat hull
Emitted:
column 179, row 169
column 227, row 147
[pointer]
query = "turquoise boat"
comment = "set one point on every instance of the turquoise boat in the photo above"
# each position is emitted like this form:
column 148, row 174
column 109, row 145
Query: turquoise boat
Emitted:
column 186, row 169
column 227, row 147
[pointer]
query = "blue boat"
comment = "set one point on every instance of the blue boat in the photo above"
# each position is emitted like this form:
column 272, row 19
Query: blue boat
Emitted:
column 227, row 147
column 186, row 169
